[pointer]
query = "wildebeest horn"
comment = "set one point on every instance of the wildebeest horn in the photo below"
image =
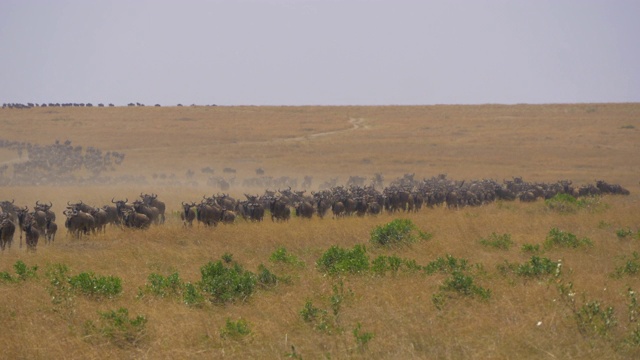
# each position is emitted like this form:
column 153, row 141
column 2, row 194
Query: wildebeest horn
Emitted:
column 115, row 202
column 69, row 204
column 37, row 202
column 50, row 204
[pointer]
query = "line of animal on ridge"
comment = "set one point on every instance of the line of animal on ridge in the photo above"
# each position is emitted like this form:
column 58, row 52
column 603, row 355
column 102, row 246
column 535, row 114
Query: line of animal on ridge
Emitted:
column 404, row 194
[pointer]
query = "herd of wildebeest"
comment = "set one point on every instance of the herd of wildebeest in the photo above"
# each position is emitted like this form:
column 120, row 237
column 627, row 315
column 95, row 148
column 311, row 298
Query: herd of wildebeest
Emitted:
column 403, row 195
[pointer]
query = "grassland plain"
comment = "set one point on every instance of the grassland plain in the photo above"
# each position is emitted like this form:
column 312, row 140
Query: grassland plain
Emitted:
column 525, row 317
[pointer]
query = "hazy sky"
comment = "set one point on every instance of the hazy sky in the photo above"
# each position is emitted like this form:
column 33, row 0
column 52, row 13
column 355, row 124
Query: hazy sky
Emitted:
column 319, row 52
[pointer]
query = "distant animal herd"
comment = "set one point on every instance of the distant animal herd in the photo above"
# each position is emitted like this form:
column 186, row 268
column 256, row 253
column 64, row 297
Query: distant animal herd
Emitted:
column 339, row 201
column 31, row 105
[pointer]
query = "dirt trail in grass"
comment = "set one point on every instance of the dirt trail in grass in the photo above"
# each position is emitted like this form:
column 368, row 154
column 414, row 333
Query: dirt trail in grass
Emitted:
column 357, row 123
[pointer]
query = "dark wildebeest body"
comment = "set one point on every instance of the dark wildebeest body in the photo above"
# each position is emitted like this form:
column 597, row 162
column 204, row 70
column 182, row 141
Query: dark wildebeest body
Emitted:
column 188, row 214
column 152, row 201
column 136, row 220
column 305, row 210
column 50, row 231
column 31, row 236
column 7, row 229
column 279, row 210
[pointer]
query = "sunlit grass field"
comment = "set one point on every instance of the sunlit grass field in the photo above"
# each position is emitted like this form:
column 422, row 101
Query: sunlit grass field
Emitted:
column 409, row 313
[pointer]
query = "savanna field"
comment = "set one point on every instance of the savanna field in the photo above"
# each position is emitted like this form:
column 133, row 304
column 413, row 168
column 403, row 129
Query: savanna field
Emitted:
column 554, row 279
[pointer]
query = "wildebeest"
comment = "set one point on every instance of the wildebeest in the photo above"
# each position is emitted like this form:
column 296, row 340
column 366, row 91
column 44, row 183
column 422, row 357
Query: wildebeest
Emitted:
column 31, row 235
column 152, row 201
column 337, row 208
column 101, row 219
column 227, row 216
column 304, row 210
column 279, row 210
column 46, row 209
column 7, row 229
column 208, row 213
column 78, row 222
column 188, row 213
column 137, row 220
column 50, row 231
column 151, row 212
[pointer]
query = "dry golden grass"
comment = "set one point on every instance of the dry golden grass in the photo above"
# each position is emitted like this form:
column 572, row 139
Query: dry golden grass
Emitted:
column 540, row 143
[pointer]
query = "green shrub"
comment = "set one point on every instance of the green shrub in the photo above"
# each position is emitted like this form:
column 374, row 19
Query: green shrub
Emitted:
column 23, row 271
column 316, row 316
column 235, row 329
column 161, row 286
column 338, row 260
column 446, row 265
column 536, row 267
column 494, row 240
column 266, row 278
column 192, row 295
column 623, row 233
column 5, row 276
column 531, row 248
column 281, row 255
column 118, row 327
column 339, row 296
column 592, row 317
column 226, row 283
column 362, row 338
column 397, row 232
column 464, row 284
column 561, row 238
column 97, row 286
column 631, row 267
column 565, row 203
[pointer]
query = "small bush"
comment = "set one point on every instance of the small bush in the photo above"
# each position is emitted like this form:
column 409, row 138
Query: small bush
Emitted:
column 161, row 286
column 592, row 317
column 226, row 283
column 281, row 255
column 192, row 295
column 631, row 267
column 5, row 276
column 464, row 284
column 88, row 283
column 494, row 240
column 362, row 338
column 266, row 278
column 118, row 327
column 446, row 265
column 531, row 248
column 623, row 233
column 536, row 267
column 339, row 296
column 561, row 238
column 23, row 271
column 316, row 316
column 565, row 203
column 338, row 260
column 235, row 329
column 397, row 232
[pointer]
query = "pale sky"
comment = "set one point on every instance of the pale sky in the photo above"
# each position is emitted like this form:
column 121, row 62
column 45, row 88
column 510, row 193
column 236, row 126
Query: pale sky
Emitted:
column 319, row 52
